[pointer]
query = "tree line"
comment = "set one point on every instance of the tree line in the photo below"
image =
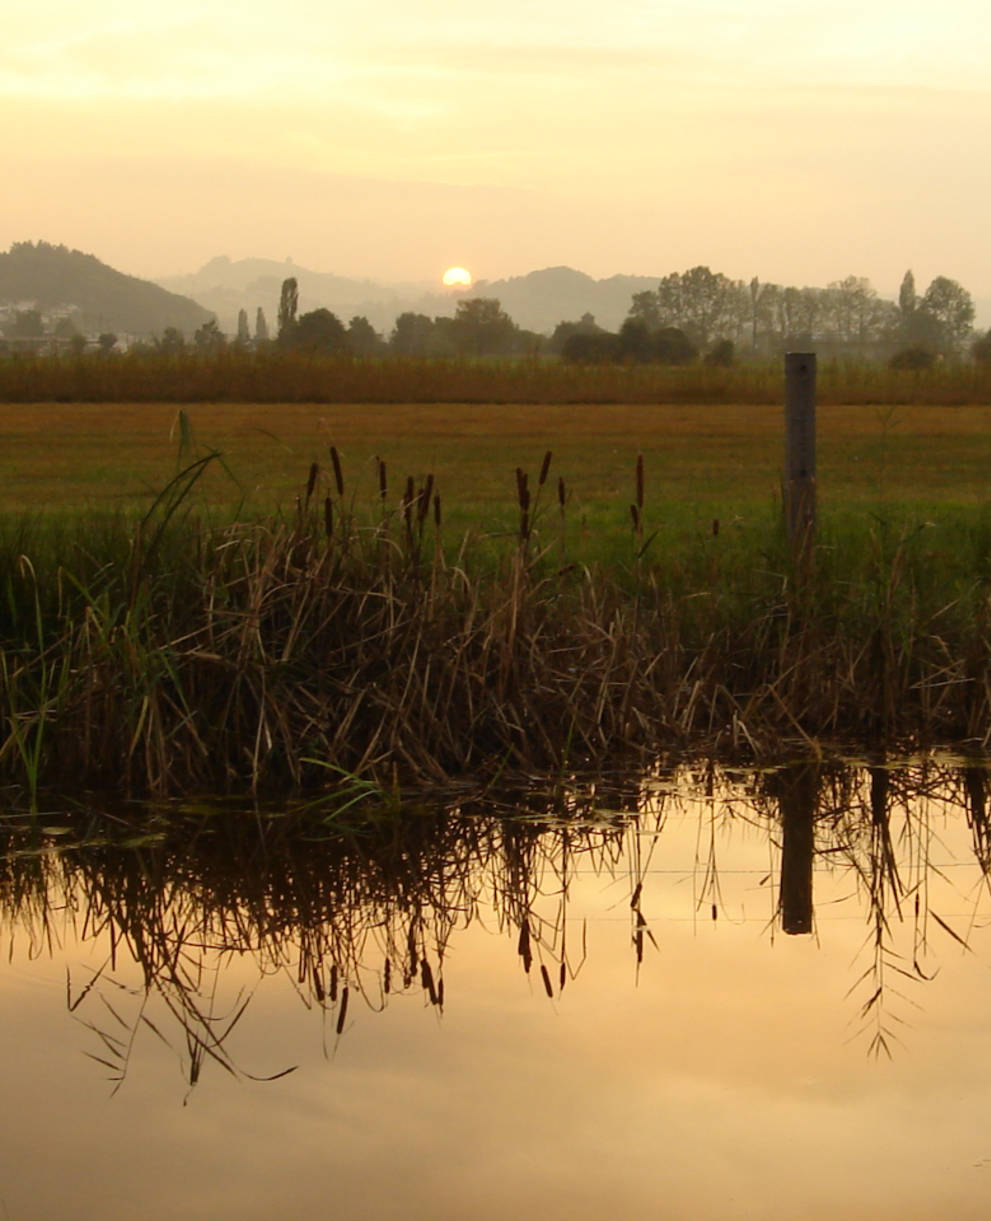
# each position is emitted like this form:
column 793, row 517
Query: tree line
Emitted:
column 696, row 315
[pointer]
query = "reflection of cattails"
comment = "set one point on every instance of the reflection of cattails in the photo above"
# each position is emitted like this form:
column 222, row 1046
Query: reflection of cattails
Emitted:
column 523, row 946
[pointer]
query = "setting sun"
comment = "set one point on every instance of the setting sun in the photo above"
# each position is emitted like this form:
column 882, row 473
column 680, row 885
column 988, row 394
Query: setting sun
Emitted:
column 457, row 277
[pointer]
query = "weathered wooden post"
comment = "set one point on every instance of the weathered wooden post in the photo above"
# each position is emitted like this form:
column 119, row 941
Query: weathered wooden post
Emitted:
column 800, row 449
column 798, row 794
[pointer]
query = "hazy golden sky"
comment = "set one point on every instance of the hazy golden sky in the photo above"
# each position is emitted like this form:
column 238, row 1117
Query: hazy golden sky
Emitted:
column 801, row 142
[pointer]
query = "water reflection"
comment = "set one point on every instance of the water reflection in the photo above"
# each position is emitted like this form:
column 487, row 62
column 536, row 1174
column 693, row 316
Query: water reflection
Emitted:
column 184, row 913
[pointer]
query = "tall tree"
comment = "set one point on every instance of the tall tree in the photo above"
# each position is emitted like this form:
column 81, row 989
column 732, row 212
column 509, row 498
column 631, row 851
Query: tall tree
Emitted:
column 702, row 303
column 951, row 308
column 288, row 305
column 261, row 326
column 243, row 333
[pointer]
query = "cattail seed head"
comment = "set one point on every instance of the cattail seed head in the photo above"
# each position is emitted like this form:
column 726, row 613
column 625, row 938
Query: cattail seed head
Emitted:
column 544, row 468
column 338, row 476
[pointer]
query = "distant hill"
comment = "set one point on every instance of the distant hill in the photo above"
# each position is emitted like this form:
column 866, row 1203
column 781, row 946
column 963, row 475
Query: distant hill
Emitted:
column 48, row 277
column 542, row 299
column 538, row 301
column 226, row 286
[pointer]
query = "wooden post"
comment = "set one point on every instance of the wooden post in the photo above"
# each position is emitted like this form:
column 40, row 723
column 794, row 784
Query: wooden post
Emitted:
column 798, row 794
column 800, row 448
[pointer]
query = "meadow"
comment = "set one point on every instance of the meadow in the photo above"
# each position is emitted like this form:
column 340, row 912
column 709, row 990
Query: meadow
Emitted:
column 276, row 598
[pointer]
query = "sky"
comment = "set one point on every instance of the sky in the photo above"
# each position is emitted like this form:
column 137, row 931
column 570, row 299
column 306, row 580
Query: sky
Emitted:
column 798, row 142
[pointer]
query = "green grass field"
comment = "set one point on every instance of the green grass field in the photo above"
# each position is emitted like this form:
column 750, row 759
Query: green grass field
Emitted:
column 719, row 461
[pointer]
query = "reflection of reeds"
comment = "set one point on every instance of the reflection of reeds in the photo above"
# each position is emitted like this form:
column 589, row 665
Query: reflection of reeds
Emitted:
column 353, row 917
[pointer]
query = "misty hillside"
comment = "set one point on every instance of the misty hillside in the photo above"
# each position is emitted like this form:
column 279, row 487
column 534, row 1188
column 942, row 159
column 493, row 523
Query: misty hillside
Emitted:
column 226, row 286
column 538, row 301
column 46, row 276
column 542, row 299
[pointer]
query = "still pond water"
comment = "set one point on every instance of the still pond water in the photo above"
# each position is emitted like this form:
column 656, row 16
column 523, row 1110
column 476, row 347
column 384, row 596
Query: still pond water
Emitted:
column 599, row 1002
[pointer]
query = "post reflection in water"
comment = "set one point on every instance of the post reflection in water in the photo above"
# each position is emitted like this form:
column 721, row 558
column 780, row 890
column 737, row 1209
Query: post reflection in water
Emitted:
column 174, row 925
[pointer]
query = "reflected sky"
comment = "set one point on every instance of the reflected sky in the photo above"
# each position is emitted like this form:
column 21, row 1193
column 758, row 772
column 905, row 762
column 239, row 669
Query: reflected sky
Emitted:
column 726, row 1074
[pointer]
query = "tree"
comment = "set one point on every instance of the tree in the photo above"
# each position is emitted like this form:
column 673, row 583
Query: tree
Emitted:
column 172, row 341
column 243, row 333
column 590, row 348
column 317, row 331
column 907, row 300
column 481, row 328
column 65, row 328
column 586, row 325
column 363, row 339
column 700, row 302
column 288, row 305
column 721, row 355
column 645, row 308
column 636, row 343
column 412, row 335
column 209, row 337
column 261, row 327
column 951, row 308
column 107, row 342
column 26, row 324
column 980, row 349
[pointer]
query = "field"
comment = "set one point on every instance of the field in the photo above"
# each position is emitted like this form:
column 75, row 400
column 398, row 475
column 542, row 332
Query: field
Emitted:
column 700, row 462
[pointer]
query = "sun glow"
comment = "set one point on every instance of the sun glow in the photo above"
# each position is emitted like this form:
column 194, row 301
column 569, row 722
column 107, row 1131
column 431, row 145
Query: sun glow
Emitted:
column 457, row 277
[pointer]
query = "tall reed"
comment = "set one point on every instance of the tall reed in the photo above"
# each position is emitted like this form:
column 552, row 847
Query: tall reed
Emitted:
column 172, row 655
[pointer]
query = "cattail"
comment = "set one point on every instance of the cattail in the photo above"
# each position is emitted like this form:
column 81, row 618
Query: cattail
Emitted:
column 344, row 1011
column 387, row 982
column 562, row 976
column 408, row 497
column 547, row 981
column 544, row 468
column 639, row 481
column 333, row 984
column 338, row 476
column 318, row 986
column 715, row 526
column 560, row 492
column 437, row 509
column 311, row 481
column 383, row 485
column 423, row 500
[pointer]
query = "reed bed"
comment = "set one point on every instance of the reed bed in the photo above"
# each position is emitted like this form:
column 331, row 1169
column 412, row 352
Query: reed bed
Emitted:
column 275, row 376
column 342, row 643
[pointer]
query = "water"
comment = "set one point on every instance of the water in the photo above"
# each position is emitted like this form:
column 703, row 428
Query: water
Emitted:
column 699, row 1061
